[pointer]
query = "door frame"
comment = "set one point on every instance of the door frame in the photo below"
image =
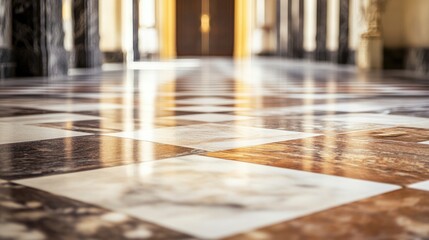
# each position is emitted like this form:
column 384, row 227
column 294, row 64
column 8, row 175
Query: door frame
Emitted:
column 167, row 27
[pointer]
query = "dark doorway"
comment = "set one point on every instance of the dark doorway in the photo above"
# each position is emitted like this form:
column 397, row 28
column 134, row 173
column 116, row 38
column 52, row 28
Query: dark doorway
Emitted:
column 193, row 38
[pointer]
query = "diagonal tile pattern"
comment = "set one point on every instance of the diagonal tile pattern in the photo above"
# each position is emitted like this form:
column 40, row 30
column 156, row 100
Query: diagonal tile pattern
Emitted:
column 342, row 155
column 421, row 185
column 33, row 214
column 208, row 197
column 212, row 137
column 181, row 153
column 400, row 214
column 15, row 133
column 30, row 159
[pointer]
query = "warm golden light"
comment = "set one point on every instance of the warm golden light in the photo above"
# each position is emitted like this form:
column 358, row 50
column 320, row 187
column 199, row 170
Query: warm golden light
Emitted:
column 168, row 28
column 242, row 28
column 205, row 23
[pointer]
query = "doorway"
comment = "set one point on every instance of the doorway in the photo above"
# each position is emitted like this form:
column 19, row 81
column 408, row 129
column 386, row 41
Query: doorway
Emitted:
column 205, row 27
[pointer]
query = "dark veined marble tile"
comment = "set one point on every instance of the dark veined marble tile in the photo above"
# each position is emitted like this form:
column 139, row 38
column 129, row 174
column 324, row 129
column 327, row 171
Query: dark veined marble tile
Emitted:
column 402, row 214
column 27, row 213
column 402, row 134
column 16, row 111
column 93, row 126
column 342, row 155
column 39, row 158
column 118, row 114
column 107, row 126
column 419, row 111
column 305, row 124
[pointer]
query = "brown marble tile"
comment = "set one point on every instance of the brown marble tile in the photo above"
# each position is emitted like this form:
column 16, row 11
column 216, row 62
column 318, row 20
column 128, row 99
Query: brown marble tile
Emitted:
column 383, row 161
column 402, row 214
column 30, row 159
column 401, row 134
column 28, row 213
column 303, row 124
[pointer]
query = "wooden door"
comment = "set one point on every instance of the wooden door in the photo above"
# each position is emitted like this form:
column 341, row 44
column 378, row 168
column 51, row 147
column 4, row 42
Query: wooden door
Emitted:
column 189, row 38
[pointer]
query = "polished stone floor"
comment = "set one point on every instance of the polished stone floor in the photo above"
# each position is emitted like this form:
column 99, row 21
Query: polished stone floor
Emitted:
column 215, row 149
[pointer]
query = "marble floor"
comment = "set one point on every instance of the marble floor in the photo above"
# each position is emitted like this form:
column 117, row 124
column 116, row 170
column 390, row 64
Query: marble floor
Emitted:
column 216, row 149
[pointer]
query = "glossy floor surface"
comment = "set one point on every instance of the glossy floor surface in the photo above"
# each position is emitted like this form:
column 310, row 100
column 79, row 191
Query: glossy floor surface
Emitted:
column 216, row 149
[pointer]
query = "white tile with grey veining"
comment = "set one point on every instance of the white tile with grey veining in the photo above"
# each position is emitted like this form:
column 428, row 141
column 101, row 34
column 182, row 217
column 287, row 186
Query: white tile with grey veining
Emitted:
column 206, row 109
column 14, row 133
column 369, row 105
column 209, row 197
column 207, row 101
column 212, row 137
column 208, row 117
column 405, row 121
column 48, row 118
column 421, row 185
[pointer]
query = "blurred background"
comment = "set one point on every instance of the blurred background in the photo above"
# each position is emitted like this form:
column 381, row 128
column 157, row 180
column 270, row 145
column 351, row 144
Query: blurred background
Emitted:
column 115, row 31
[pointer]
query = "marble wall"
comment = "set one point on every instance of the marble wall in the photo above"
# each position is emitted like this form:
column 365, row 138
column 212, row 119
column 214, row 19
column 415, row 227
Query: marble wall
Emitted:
column 5, row 24
column 6, row 62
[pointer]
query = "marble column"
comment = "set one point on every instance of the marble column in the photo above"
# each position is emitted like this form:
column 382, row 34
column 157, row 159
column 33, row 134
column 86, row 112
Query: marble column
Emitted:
column 282, row 27
column 38, row 38
column 136, row 50
column 86, row 34
column 343, row 37
column 295, row 24
column 6, row 61
column 370, row 51
column 321, row 30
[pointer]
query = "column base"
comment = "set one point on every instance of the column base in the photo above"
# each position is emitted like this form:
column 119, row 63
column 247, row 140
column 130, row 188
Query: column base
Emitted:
column 370, row 53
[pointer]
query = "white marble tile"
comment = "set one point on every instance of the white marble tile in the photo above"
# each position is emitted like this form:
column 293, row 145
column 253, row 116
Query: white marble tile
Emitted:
column 421, row 185
column 206, row 109
column 382, row 119
column 213, row 137
column 14, row 133
column 209, row 197
column 208, row 101
column 323, row 96
column 209, row 117
column 48, row 118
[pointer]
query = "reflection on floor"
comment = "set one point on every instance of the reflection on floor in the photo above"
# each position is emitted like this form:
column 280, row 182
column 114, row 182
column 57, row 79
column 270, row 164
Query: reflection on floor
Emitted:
column 216, row 149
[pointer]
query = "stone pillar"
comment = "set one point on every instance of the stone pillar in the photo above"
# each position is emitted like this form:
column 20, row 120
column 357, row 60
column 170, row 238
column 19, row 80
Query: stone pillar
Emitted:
column 343, row 37
column 38, row 38
column 295, row 48
column 321, row 30
column 6, row 62
column 370, row 52
column 136, row 50
column 282, row 27
column 86, row 34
